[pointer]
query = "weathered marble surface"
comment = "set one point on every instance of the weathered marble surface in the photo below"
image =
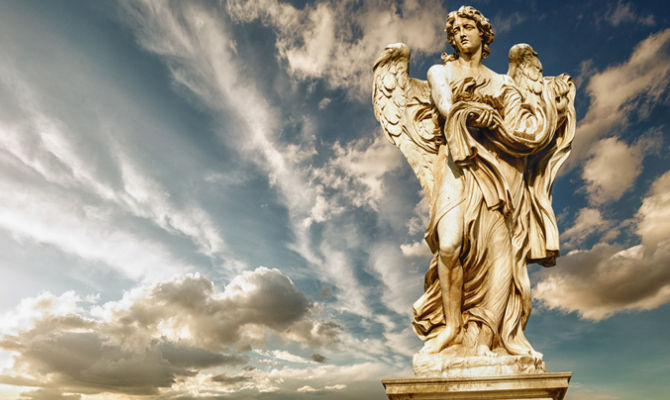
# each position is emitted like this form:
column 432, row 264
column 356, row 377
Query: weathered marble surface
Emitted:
column 535, row 386
column 449, row 366
column 486, row 148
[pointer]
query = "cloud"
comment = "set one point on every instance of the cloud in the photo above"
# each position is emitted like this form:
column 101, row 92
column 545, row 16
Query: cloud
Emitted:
column 305, row 389
column 47, row 394
column 336, row 387
column 620, row 92
column 196, row 46
column 154, row 337
column 230, row 380
column 402, row 285
column 418, row 249
column 623, row 13
column 654, row 214
column 319, row 42
column 355, row 172
column 589, row 221
column 45, row 214
column 323, row 104
column 607, row 279
column 508, row 22
column 613, row 166
column 419, row 220
column 55, row 156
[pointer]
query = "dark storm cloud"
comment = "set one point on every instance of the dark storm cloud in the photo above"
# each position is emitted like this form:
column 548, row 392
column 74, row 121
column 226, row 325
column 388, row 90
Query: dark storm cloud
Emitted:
column 230, row 380
column 77, row 361
column 158, row 335
column 183, row 355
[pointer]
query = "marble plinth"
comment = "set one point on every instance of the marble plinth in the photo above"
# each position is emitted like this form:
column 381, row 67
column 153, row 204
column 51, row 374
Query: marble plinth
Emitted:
column 447, row 366
column 540, row 386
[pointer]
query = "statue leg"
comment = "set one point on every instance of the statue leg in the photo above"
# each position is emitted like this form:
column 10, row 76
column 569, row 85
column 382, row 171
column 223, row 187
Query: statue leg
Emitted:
column 450, row 273
column 487, row 314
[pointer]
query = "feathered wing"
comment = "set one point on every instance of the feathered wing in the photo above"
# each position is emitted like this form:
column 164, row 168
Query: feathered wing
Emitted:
column 408, row 118
column 553, row 97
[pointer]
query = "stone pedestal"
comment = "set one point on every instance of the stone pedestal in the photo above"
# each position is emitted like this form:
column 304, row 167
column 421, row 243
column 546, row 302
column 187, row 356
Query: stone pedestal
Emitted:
column 541, row 386
column 444, row 365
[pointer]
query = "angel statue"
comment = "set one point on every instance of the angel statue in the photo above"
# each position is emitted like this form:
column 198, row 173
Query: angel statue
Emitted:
column 486, row 148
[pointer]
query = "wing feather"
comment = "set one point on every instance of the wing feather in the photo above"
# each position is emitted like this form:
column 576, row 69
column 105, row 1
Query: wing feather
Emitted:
column 404, row 109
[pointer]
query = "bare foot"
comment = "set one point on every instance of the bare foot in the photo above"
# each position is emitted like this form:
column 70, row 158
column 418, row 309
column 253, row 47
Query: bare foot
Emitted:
column 485, row 351
column 442, row 340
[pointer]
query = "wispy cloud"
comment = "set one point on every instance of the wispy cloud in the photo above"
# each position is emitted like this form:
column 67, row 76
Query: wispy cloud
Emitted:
column 196, row 47
column 83, row 188
column 623, row 13
column 508, row 22
column 319, row 42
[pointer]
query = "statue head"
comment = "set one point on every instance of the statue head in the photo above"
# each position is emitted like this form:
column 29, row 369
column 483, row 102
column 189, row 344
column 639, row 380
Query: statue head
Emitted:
column 483, row 25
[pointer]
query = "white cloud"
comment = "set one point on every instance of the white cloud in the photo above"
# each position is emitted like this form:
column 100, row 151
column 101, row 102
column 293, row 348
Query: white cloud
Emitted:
column 51, row 164
column 621, row 91
column 589, row 221
column 356, row 172
column 420, row 218
column 613, row 166
column 195, row 45
column 290, row 357
column 623, row 13
column 402, row 285
column 323, row 104
column 146, row 198
column 48, row 214
column 607, row 279
column 611, row 170
column 418, row 249
column 339, row 386
column 654, row 214
column 305, row 388
column 320, row 41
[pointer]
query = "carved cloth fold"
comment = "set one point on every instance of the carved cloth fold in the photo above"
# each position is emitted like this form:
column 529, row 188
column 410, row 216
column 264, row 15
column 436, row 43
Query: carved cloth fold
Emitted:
column 508, row 221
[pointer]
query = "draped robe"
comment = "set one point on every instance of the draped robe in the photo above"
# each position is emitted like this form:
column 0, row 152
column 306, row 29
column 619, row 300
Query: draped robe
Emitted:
column 504, row 178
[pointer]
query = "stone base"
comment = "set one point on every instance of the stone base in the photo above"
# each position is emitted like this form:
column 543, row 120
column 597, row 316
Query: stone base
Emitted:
column 540, row 386
column 447, row 366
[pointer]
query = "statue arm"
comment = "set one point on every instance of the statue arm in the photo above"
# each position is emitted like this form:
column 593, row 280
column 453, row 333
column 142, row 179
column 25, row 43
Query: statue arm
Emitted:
column 440, row 91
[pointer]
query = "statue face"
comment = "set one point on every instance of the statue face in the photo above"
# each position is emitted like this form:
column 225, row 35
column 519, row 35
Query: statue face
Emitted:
column 466, row 35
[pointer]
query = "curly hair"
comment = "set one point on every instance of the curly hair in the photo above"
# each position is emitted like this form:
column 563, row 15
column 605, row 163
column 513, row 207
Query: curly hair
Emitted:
column 483, row 25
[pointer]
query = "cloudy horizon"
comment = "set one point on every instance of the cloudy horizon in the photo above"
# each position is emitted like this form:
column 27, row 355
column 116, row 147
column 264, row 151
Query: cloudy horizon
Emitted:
column 198, row 202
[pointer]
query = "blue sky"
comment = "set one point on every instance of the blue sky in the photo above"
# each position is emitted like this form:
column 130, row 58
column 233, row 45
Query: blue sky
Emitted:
column 198, row 202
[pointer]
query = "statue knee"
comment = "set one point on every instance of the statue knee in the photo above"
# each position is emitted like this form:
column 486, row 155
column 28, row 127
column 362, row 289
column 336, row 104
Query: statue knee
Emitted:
column 449, row 253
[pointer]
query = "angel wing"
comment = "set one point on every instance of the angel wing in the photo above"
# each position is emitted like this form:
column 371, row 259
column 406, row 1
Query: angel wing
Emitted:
column 526, row 71
column 408, row 118
column 555, row 95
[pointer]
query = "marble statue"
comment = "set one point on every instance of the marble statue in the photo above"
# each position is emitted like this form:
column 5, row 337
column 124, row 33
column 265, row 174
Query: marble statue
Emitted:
column 486, row 148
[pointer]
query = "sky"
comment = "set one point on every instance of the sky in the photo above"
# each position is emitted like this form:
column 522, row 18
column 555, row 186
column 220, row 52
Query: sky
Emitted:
column 198, row 203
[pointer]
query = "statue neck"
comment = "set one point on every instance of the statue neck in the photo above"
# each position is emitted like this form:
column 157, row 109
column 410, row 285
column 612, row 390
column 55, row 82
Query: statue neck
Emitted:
column 470, row 61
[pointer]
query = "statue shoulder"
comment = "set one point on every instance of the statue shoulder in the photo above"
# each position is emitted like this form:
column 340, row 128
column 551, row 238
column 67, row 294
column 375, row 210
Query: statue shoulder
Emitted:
column 437, row 72
column 442, row 74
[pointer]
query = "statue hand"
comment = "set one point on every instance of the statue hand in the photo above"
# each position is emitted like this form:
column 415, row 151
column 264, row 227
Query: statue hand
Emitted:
column 485, row 119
